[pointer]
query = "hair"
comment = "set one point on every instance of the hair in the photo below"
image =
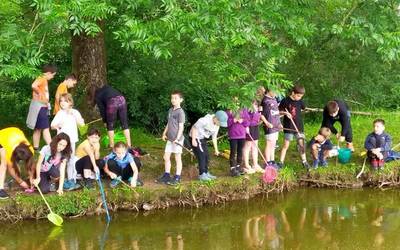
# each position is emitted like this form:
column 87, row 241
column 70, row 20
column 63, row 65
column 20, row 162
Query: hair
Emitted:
column 298, row 89
column 177, row 92
column 93, row 131
column 325, row 132
column 49, row 68
column 23, row 153
column 120, row 144
column 333, row 107
column 379, row 121
column 66, row 153
column 68, row 97
column 71, row 77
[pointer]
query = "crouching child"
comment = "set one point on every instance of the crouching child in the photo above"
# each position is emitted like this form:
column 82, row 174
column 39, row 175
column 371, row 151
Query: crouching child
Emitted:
column 322, row 148
column 120, row 166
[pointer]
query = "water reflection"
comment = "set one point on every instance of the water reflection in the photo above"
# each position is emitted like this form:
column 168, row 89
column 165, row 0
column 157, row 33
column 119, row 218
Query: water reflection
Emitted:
column 307, row 219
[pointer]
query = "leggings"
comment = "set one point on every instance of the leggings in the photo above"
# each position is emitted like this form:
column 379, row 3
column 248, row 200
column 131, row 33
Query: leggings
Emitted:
column 85, row 163
column 236, row 155
column 116, row 106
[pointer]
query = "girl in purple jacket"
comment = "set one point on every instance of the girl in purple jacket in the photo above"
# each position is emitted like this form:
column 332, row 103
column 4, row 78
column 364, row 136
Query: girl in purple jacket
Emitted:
column 253, row 116
column 237, row 135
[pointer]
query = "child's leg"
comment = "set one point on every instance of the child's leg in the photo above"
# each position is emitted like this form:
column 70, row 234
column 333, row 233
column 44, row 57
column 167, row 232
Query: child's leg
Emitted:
column 314, row 151
column 233, row 143
column 36, row 138
column 246, row 151
column 286, row 144
column 302, row 149
column 44, row 183
column 271, row 145
column 114, row 168
column 127, row 135
column 71, row 171
column 240, row 145
column 111, row 138
column 201, row 157
column 178, row 160
column 46, row 136
column 123, row 118
column 254, row 153
column 167, row 162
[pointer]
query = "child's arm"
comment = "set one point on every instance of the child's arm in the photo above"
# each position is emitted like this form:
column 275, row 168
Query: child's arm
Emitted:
column 194, row 136
column 135, row 173
column 368, row 144
column 388, row 144
column 180, row 131
column 3, row 165
column 215, row 143
column 268, row 124
column 92, row 155
column 56, row 123
column 35, row 86
column 108, row 172
column 38, row 166
column 62, row 177
column 164, row 134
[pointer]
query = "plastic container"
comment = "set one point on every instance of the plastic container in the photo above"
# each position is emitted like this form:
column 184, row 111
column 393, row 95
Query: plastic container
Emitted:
column 344, row 155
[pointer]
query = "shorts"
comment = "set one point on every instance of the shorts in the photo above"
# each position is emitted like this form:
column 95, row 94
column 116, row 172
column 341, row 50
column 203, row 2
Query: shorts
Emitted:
column 272, row 137
column 291, row 136
column 171, row 147
column 42, row 121
column 254, row 132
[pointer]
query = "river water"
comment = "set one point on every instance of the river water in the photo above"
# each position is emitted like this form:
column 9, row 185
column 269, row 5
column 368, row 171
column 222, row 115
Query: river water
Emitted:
column 302, row 219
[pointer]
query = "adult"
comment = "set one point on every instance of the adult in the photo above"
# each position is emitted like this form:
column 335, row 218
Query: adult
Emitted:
column 38, row 116
column 334, row 111
column 112, row 105
column 14, row 147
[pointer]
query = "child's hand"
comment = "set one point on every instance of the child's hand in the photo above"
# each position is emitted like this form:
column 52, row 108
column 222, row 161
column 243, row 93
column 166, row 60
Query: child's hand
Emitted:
column 269, row 125
column 194, row 143
column 247, row 130
column 379, row 155
column 289, row 115
column 240, row 120
column 164, row 137
column 96, row 171
column 112, row 175
column 319, row 138
column 60, row 192
column 133, row 183
column 217, row 153
column 341, row 138
column 35, row 182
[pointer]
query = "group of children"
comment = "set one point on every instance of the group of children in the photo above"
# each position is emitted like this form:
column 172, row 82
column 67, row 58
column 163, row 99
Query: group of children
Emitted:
column 84, row 165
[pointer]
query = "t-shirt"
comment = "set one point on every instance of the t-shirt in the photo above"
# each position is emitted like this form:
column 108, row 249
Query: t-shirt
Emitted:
column 42, row 90
column 10, row 138
column 205, row 127
column 343, row 117
column 294, row 108
column 69, row 123
column 175, row 116
column 122, row 163
column 271, row 113
column 80, row 151
column 48, row 161
column 61, row 89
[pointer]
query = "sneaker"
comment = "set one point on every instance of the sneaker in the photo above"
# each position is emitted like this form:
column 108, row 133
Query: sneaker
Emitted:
column 3, row 195
column 88, row 183
column 29, row 190
column 204, row 177
column 315, row 163
column 381, row 163
column 212, row 177
column 72, row 186
column 174, row 181
column 323, row 163
column 305, row 164
column 115, row 182
column 279, row 165
column 234, row 172
column 165, row 179
column 375, row 163
column 240, row 170
column 67, row 185
column 350, row 146
column 53, row 187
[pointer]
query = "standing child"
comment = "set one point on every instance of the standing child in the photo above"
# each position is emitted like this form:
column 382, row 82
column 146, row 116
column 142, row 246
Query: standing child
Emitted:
column 67, row 120
column 88, row 162
column 173, row 134
column 378, row 145
column 237, row 126
column 322, row 148
column 120, row 166
column 38, row 116
column 202, row 130
column 291, row 106
column 52, row 162
column 253, row 116
column 69, row 82
column 272, row 124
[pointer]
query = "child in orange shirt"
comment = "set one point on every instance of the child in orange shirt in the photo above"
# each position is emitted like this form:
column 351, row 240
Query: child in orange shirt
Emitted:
column 69, row 82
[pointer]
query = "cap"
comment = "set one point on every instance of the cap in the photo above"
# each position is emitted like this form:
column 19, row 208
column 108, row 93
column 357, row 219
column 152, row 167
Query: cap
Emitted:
column 222, row 118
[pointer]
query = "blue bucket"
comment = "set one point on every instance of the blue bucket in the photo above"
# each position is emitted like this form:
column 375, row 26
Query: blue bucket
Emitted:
column 344, row 155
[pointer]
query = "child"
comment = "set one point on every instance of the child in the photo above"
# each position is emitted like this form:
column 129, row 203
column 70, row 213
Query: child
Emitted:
column 69, row 82
column 338, row 111
column 38, row 119
column 322, row 148
column 378, row 145
column 173, row 134
column 14, row 148
column 204, row 128
column 67, row 120
column 88, row 162
column 120, row 165
column 253, row 117
column 272, row 124
column 52, row 162
column 291, row 106
column 237, row 126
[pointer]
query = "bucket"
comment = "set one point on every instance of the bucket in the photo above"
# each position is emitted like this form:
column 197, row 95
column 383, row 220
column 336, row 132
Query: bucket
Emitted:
column 344, row 155
column 118, row 136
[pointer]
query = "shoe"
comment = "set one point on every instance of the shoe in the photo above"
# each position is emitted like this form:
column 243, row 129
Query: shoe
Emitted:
column 249, row 170
column 315, row 163
column 165, row 179
column 323, row 163
column 279, row 165
column 212, row 177
column 3, row 195
column 67, row 185
column 115, row 182
column 240, row 170
column 305, row 164
column 174, row 181
column 258, row 169
column 88, row 183
column 381, row 163
column 234, row 172
column 350, row 146
column 53, row 187
column 375, row 163
column 29, row 190
column 72, row 186
column 204, row 177
column 139, row 183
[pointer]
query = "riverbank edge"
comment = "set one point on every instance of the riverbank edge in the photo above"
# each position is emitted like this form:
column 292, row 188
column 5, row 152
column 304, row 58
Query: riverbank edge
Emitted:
column 189, row 194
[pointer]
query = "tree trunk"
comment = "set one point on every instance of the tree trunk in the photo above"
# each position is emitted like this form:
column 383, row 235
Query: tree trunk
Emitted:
column 89, row 65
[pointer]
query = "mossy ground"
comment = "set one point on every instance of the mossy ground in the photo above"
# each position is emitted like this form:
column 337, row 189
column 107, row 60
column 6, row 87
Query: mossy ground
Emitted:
column 191, row 192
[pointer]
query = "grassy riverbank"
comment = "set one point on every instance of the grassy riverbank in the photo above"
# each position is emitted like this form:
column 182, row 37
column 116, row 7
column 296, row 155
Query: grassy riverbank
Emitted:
column 194, row 193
